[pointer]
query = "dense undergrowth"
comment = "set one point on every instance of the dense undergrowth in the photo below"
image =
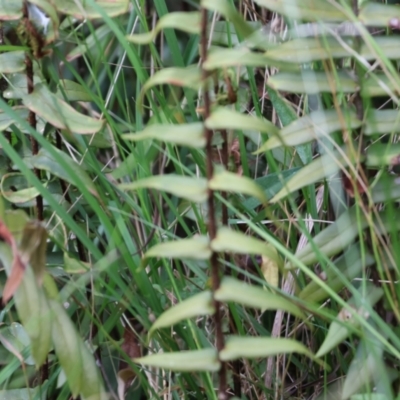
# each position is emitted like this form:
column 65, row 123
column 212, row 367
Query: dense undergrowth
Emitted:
column 199, row 199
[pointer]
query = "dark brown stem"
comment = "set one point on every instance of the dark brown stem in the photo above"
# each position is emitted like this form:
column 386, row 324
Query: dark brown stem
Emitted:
column 32, row 115
column 212, row 225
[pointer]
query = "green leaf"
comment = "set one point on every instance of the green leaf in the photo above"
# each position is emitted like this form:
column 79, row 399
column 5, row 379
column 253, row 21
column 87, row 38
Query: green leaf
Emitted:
column 350, row 264
column 382, row 121
column 26, row 393
column 229, row 240
column 378, row 85
column 382, row 154
column 318, row 169
column 232, row 290
column 261, row 347
column 47, row 162
column 306, row 50
column 224, row 118
column 339, row 331
column 10, row 10
column 74, row 356
column 366, row 365
column 15, row 339
column 189, row 77
column 184, row 21
column 22, row 112
column 190, row 135
column 378, row 15
column 334, row 238
column 33, row 247
column 313, row 82
column 231, row 182
column 73, row 91
column 60, row 114
column 387, row 45
column 314, row 126
column 231, row 14
column 230, row 57
column 387, row 188
column 17, row 87
column 90, row 42
column 12, row 181
column 192, row 189
column 271, row 185
column 183, row 361
column 308, row 10
column 74, row 266
column 12, row 61
column 197, row 248
column 85, row 10
column 32, row 307
column 199, row 304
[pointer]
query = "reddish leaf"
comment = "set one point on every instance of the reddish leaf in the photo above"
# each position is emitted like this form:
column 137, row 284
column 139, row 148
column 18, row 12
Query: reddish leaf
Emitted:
column 17, row 268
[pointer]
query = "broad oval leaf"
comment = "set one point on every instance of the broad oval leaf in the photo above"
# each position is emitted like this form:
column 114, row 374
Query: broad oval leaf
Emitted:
column 183, row 361
column 60, row 114
column 10, row 10
column 75, row 359
column 37, row 392
column 230, row 182
column 184, row 21
column 11, row 191
column 32, row 307
column 73, row 91
column 313, row 82
column 380, row 15
column 15, row 339
column 339, row 331
column 307, row 10
column 190, row 77
column 17, row 85
column 199, row 304
column 229, row 240
column 84, row 10
column 197, row 248
column 305, row 50
column 261, row 347
column 232, row 290
column 192, row 189
column 230, row 57
column 47, row 162
column 22, row 112
column 33, row 248
column 224, row 118
column 316, row 125
column 12, row 61
column 190, row 135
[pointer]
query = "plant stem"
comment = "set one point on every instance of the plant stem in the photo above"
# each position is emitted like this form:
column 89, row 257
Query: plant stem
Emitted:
column 212, row 224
